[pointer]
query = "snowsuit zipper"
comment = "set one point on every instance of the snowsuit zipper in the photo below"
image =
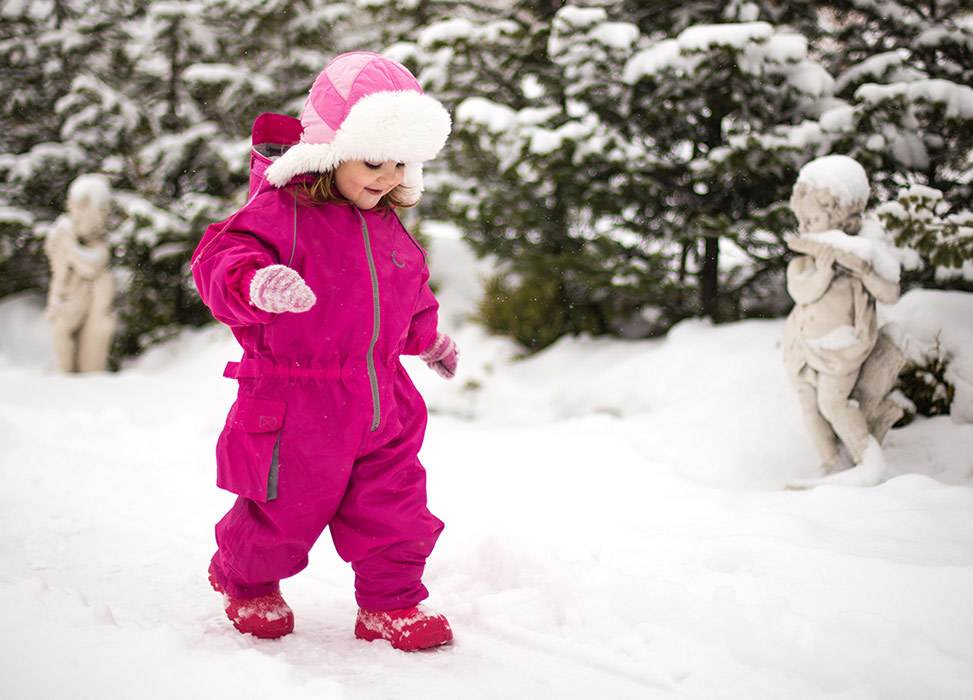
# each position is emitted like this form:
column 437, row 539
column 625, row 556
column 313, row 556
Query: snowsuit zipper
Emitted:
column 376, row 324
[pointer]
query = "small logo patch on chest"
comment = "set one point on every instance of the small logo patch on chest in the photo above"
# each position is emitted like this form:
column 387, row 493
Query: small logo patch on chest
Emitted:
column 395, row 260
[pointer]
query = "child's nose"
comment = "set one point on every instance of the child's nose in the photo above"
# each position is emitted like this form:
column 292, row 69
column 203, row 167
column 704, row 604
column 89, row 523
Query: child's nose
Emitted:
column 387, row 173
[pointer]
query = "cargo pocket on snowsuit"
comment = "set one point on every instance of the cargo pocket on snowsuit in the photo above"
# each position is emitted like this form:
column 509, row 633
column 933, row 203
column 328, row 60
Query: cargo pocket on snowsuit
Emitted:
column 247, row 453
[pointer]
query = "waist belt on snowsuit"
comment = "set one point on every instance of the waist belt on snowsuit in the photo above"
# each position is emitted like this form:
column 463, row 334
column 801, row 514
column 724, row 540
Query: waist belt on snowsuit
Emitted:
column 252, row 369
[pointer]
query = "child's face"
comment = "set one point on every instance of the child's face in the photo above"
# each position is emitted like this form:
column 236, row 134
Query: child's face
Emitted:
column 364, row 183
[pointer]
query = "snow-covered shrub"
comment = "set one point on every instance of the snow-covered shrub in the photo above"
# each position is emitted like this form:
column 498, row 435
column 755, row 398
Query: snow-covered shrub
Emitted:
column 920, row 220
column 531, row 313
column 925, row 385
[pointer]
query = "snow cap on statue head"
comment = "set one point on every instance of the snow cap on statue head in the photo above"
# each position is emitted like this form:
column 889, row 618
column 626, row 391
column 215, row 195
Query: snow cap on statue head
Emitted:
column 835, row 186
column 92, row 190
column 89, row 201
column 364, row 106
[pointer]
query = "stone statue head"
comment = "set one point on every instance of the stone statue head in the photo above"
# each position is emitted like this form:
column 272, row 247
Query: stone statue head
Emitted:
column 89, row 202
column 830, row 193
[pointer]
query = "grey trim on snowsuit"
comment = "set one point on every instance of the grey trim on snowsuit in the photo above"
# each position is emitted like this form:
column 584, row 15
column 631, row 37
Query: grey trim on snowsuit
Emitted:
column 376, row 324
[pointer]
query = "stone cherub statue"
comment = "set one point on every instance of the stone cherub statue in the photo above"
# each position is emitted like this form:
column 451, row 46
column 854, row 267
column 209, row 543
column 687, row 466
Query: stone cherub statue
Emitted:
column 841, row 364
column 82, row 288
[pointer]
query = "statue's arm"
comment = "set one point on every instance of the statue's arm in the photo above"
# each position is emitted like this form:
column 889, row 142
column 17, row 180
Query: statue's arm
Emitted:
column 66, row 252
column 882, row 289
column 59, row 238
column 88, row 260
column 808, row 278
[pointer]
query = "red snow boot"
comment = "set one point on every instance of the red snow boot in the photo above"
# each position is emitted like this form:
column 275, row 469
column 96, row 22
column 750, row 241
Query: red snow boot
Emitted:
column 409, row 629
column 266, row 616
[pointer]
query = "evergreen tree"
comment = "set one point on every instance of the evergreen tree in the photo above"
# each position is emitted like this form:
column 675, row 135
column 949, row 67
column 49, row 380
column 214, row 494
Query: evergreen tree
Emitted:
column 160, row 97
column 43, row 46
column 173, row 175
column 604, row 165
column 722, row 108
column 905, row 78
column 919, row 221
column 522, row 183
column 629, row 164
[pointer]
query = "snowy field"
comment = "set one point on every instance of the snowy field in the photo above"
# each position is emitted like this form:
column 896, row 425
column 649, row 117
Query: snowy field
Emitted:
column 617, row 527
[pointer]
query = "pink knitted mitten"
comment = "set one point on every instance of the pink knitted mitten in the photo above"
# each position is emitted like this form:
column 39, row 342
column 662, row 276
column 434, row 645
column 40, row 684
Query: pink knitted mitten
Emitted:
column 278, row 288
column 441, row 356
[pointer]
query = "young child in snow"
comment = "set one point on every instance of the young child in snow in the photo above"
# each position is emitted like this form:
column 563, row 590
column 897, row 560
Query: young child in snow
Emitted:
column 832, row 332
column 325, row 289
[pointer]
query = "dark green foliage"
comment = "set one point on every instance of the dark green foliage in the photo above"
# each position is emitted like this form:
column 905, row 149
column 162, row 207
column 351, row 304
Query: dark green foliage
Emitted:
column 23, row 265
column 160, row 98
column 533, row 312
column 925, row 385
column 613, row 197
column 918, row 220
column 906, row 71
column 157, row 302
column 682, row 172
column 616, row 200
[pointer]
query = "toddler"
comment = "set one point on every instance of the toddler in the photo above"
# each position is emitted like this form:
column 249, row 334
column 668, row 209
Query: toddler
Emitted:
column 324, row 289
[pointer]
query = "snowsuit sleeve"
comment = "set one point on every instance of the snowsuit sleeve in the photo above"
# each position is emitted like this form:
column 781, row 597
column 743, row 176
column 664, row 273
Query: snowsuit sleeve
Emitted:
column 223, row 275
column 425, row 319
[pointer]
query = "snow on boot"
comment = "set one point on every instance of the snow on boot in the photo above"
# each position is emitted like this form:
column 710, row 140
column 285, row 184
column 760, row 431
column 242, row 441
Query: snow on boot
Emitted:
column 266, row 616
column 409, row 629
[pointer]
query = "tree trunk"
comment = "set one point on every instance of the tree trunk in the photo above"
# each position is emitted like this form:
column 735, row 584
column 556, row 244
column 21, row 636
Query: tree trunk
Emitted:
column 709, row 279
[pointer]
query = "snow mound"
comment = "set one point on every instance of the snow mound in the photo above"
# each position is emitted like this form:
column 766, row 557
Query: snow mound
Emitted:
column 617, row 526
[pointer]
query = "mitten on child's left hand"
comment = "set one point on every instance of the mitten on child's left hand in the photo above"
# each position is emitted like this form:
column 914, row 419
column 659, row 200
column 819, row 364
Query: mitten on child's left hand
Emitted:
column 441, row 356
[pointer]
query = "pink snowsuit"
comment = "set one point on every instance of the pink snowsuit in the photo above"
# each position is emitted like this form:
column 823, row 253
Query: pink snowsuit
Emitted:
column 327, row 424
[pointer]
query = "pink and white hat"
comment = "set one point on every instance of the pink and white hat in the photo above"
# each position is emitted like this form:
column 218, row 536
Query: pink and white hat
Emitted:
column 364, row 106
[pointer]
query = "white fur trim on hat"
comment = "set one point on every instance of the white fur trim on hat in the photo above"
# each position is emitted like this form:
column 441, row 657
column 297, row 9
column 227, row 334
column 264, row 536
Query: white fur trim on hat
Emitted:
column 404, row 126
column 410, row 191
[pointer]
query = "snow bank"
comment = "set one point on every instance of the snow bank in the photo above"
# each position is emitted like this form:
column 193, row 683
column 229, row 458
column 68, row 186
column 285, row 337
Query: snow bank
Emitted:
column 25, row 335
column 616, row 527
column 922, row 318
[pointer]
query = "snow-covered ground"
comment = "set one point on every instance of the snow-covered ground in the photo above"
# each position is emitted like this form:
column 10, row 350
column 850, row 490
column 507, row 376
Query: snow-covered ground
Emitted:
column 617, row 527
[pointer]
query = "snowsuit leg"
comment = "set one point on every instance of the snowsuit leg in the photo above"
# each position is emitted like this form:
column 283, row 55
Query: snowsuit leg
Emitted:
column 262, row 543
column 383, row 526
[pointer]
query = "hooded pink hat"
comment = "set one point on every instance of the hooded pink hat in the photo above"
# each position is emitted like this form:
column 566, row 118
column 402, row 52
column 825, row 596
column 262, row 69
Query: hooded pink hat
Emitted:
column 364, row 106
